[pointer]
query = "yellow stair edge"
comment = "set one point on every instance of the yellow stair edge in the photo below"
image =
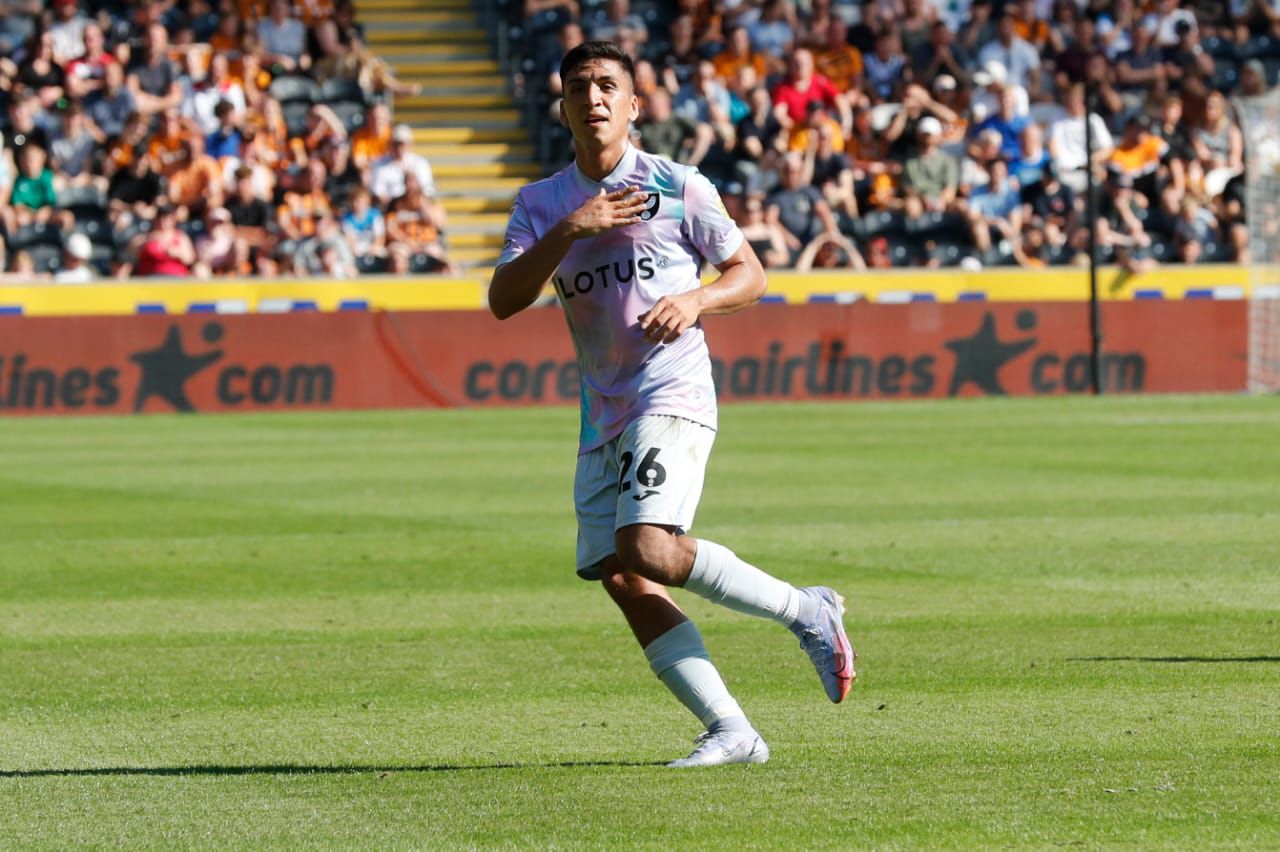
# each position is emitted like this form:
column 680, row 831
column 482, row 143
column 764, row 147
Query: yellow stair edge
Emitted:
column 529, row 171
column 446, row 69
column 483, row 149
column 478, row 205
column 479, row 100
column 458, row 118
column 467, row 135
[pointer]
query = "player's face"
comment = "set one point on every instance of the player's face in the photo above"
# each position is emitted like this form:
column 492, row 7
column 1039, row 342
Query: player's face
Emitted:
column 599, row 103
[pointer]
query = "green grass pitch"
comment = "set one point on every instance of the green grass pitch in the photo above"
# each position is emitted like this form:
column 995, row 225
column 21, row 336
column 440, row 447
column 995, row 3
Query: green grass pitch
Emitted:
column 363, row 630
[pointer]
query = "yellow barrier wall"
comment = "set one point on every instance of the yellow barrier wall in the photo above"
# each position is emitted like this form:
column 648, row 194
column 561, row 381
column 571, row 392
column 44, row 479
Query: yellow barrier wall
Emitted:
column 468, row 292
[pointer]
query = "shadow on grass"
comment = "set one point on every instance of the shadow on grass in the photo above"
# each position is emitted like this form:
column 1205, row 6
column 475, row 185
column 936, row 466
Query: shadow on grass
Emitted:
column 294, row 769
column 1173, row 659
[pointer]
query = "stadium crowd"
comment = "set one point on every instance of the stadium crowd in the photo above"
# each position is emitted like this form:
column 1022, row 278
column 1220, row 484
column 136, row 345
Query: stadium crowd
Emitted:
column 884, row 133
column 165, row 138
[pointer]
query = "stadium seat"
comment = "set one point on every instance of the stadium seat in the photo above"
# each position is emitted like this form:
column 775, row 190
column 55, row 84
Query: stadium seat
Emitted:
column 1164, row 252
column 97, row 230
column 1221, row 48
column 102, row 258
column 295, row 116
column 83, row 200
column 193, row 228
column 30, row 236
column 336, row 89
column 371, row 264
column 423, row 262
column 1272, row 69
column 905, row 252
column 1061, row 255
column 46, row 258
column 949, row 253
column 884, row 222
column 1261, row 47
column 295, row 89
column 350, row 113
column 1225, row 77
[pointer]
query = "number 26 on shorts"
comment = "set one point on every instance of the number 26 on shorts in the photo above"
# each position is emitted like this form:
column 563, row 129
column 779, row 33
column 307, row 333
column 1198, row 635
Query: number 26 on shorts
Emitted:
column 649, row 472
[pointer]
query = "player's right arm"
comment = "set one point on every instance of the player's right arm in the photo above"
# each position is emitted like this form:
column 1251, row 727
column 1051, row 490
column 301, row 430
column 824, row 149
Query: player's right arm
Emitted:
column 528, row 263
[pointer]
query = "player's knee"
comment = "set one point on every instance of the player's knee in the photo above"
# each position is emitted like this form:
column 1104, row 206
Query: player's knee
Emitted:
column 622, row 586
column 651, row 552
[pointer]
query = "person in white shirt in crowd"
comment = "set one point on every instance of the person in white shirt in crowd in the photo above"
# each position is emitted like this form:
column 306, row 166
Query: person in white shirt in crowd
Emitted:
column 993, row 80
column 67, row 30
column 75, row 267
column 1066, row 141
column 389, row 171
column 1020, row 59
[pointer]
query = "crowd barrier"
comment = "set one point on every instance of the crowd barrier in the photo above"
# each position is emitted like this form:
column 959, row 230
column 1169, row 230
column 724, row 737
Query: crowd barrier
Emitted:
column 257, row 295
column 392, row 359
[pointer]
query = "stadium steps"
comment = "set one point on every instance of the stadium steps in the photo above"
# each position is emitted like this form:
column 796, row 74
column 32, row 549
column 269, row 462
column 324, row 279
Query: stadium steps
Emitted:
column 465, row 121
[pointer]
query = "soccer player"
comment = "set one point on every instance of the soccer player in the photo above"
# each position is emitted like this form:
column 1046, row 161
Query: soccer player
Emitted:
column 621, row 234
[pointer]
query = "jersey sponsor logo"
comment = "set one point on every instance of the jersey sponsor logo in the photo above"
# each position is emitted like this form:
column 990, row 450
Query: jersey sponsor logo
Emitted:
column 617, row 274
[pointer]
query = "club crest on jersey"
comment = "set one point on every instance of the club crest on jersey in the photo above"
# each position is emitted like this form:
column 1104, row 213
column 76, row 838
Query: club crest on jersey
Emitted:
column 651, row 206
column 616, row 274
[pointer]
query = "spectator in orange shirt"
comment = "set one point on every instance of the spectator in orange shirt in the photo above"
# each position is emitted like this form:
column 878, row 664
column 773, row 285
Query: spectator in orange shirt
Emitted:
column 738, row 53
column 296, row 216
column 411, row 228
column 197, row 185
column 168, row 148
column 839, row 61
column 1138, row 155
column 373, row 141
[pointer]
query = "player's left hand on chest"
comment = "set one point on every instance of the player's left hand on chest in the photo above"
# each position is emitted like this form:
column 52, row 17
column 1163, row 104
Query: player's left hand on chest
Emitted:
column 670, row 317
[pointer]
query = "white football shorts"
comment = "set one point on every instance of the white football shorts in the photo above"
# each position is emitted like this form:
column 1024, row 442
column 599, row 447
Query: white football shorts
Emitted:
column 650, row 474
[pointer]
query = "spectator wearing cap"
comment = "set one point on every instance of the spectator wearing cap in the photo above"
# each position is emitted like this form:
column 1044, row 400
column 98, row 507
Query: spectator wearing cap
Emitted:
column 993, row 80
column 802, row 84
column 284, row 38
column 1020, row 59
column 901, row 133
column 1186, row 63
column 87, row 73
column 738, row 54
column 67, row 31
column 75, row 268
column 930, row 178
column 940, row 55
column 389, row 171
column 1053, row 210
column 1066, row 140
column 152, row 77
column 1008, row 123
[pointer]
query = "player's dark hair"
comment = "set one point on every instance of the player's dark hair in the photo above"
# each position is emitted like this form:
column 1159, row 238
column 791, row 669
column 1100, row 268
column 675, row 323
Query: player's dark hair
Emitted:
column 590, row 50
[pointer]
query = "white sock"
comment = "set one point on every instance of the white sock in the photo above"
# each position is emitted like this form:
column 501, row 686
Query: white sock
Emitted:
column 679, row 659
column 721, row 577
